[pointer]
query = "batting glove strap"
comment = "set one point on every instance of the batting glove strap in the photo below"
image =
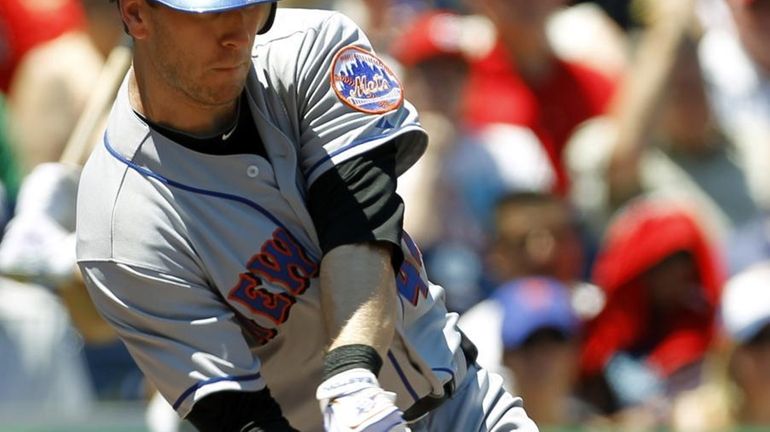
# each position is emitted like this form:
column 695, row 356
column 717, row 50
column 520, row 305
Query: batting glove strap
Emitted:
column 352, row 401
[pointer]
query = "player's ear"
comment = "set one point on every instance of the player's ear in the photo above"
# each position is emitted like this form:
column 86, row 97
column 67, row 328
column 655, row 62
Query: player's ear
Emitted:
column 132, row 12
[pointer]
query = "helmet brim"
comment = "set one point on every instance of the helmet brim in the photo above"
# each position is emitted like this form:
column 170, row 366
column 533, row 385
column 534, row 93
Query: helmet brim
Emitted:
column 209, row 6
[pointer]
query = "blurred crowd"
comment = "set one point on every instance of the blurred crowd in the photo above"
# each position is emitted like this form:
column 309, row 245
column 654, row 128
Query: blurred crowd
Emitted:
column 595, row 199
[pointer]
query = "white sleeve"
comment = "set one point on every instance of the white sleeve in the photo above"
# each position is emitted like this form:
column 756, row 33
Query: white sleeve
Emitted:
column 351, row 101
column 184, row 338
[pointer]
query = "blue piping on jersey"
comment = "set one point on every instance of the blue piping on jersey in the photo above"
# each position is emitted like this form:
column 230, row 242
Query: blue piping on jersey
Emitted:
column 354, row 144
column 149, row 173
column 200, row 384
column 447, row 370
column 401, row 375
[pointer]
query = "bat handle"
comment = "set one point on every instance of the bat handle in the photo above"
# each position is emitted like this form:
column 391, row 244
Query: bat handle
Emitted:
column 97, row 106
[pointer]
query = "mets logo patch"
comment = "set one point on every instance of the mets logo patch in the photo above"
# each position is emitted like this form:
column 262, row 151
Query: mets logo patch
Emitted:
column 364, row 82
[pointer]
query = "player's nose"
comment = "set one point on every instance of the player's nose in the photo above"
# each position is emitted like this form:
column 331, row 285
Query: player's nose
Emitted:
column 238, row 27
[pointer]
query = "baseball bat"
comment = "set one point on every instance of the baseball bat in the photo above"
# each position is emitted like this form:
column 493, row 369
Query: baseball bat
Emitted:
column 98, row 104
column 84, row 137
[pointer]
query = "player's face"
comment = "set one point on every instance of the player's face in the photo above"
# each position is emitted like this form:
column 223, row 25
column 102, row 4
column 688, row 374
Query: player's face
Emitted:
column 205, row 57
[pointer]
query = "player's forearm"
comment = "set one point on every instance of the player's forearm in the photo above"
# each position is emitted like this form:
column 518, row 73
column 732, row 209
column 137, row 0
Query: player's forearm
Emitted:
column 358, row 296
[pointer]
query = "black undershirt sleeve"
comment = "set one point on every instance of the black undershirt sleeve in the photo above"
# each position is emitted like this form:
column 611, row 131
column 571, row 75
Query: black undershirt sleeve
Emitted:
column 235, row 411
column 356, row 202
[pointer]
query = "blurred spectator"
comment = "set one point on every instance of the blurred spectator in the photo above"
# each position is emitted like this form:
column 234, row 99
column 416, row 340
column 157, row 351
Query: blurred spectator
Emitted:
column 541, row 334
column 53, row 78
column 521, row 81
column 44, row 374
column 491, row 162
column 683, row 155
column 381, row 20
column 737, row 395
column 467, row 167
column 24, row 24
column 692, row 140
column 477, row 173
column 661, row 139
column 535, row 235
column 662, row 281
column 536, row 336
column 746, row 316
column 464, row 170
column 736, row 62
column 49, row 88
column 430, row 52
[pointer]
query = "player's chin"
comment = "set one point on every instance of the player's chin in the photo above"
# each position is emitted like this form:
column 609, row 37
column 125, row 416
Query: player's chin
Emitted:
column 221, row 94
column 232, row 85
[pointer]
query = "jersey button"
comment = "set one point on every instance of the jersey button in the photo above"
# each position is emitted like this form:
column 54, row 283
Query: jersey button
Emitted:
column 252, row 171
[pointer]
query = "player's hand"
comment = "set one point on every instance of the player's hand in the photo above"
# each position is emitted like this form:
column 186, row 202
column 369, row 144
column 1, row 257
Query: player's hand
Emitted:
column 353, row 401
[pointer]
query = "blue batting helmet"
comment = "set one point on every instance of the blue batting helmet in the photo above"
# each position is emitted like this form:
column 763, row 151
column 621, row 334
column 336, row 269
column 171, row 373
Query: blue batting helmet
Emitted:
column 207, row 6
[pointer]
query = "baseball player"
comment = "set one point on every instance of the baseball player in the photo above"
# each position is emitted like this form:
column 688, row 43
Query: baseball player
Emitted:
column 240, row 230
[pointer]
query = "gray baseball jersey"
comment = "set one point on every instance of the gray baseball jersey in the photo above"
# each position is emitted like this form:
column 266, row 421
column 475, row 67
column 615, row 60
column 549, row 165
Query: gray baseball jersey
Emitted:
column 208, row 265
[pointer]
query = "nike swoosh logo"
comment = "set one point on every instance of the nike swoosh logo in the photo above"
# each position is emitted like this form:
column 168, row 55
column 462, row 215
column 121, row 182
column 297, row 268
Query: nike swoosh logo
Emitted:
column 228, row 135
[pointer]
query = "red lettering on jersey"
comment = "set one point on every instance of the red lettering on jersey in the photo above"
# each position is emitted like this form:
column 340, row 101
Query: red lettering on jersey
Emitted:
column 409, row 283
column 282, row 261
column 260, row 334
column 274, row 306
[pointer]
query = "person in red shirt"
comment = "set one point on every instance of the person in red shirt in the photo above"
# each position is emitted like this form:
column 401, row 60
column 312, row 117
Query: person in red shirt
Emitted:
column 24, row 24
column 521, row 81
column 662, row 279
